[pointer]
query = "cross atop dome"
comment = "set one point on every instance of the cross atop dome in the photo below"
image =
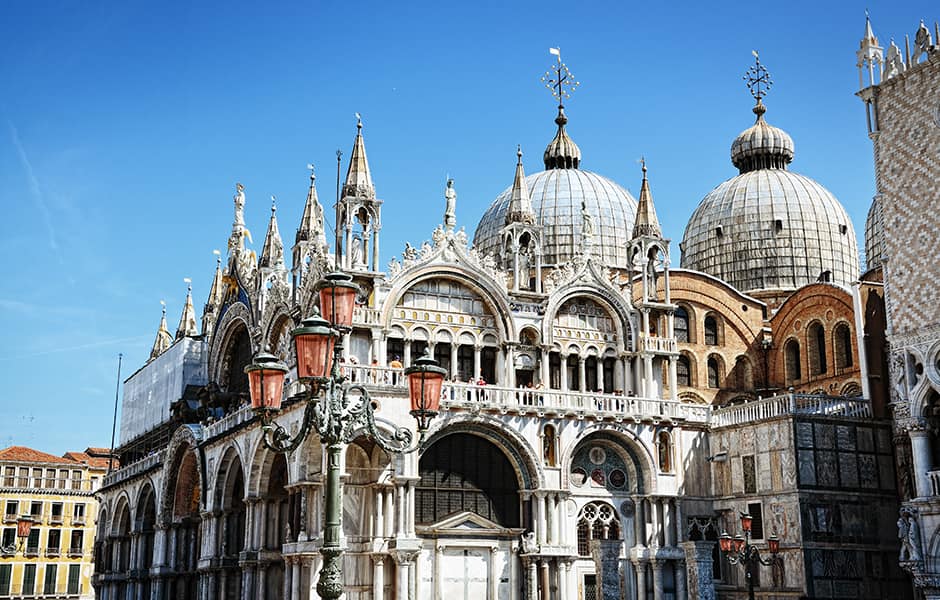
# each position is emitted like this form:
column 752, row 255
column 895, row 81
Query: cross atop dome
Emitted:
column 758, row 82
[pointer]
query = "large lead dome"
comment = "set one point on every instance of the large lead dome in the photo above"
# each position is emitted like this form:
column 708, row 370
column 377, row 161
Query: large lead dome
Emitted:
column 557, row 195
column 768, row 228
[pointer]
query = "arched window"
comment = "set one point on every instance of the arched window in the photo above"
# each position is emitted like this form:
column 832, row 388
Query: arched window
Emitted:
column 792, row 356
column 843, row 346
column 683, row 371
column 681, row 325
column 817, row 349
column 711, row 331
column 486, row 485
column 664, row 450
column 597, row 521
column 714, row 374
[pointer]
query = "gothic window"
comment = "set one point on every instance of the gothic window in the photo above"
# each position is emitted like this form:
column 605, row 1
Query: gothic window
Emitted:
column 817, row 349
column 465, row 472
column 711, row 331
column 597, row 521
column 843, row 346
column 681, row 325
column 683, row 371
column 664, row 449
column 792, row 359
column 714, row 374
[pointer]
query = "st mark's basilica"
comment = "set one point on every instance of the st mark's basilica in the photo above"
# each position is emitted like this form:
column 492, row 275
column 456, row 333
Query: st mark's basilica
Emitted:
column 609, row 410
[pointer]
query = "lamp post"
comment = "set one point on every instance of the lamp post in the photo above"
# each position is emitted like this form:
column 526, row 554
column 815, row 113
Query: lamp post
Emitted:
column 739, row 550
column 335, row 409
column 24, row 525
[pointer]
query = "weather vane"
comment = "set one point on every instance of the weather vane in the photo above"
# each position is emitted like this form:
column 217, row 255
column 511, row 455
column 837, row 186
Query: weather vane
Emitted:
column 758, row 78
column 558, row 79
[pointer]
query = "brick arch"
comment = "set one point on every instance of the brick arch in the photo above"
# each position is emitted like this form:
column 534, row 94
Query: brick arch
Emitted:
column 183, row 451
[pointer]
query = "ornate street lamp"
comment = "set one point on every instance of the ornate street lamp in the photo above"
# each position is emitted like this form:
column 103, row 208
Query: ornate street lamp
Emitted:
column 340, row 410
column 739, row 550
column 24, row 524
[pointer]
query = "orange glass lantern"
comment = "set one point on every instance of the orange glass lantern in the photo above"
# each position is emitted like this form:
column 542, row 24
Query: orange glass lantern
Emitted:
column 313, row 345
column 738, row 543
column 425, row 379
column 266, row 382
column 338, row 299
column 746, row 522
column 724, row 542
column 773, row 544
column 23, row 526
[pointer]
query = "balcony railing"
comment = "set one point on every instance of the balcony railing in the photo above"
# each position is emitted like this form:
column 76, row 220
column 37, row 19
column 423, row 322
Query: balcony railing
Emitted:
column 374, row 375
column 567, row 403
column 233, row 419
column 9, row 517
column 52, row 551
column 365, row 316
column 78, row 520
column 791, row 404
column 135, row 468
column 934, row 478
column 76, row 551
column 31, row 551
column 55, row 519
column 658, row 344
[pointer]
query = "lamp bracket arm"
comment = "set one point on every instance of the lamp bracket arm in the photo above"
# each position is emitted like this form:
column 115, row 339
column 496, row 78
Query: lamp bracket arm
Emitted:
column 399, row 441
column 276, row 438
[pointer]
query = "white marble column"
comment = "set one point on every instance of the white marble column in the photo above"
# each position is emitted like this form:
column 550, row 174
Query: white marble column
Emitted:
column 378, row 528
column 640, row 566
column 653, row 533
column 680, row 578
column 538, row 506
column 552, row 513
column 378, row 577
column 920, row 451
column 564, row 372
column 673, row 378
column 476, row 361
column 669, row 522
column 658, row 589
column 600, row 374
column 582, row 376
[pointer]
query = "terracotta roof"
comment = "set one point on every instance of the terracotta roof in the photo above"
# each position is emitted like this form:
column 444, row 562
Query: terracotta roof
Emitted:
column 88, row 459
column 24, row 454
column 92, row 451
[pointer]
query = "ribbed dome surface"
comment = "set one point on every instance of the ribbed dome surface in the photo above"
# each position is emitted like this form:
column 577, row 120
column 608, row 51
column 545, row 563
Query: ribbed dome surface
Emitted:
column 771, row 229
column 874, row 236
column 761, row 146
column 556, row 197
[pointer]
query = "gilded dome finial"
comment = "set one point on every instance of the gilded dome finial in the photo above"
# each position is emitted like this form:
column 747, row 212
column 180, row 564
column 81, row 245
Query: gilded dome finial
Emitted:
column 758, row 83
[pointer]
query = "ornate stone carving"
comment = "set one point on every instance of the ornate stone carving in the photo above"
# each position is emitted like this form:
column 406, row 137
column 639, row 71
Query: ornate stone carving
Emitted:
column 909, row 535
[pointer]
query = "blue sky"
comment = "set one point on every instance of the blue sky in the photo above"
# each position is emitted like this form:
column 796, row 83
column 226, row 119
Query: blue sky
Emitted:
column 124, row 127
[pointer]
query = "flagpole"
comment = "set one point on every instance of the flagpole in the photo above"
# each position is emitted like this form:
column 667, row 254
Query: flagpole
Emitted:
column 114, row 421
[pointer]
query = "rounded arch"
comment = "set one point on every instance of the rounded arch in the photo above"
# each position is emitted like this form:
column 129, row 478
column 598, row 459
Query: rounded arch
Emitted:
column 145, row 503
column 793, row 360
column 530, row 336
column 183, row 455
column 619, row 313
column 713, row 329
column 230, row 470
column 843, row 355
column 686, row 373
column 476, row 281
column 260, row 470
column 233, row 317
column 816, row 351
column 522, row 456
column 715, row 370
column 123, row 517
column 278, row 337
column 630, row 447
column 684, row 323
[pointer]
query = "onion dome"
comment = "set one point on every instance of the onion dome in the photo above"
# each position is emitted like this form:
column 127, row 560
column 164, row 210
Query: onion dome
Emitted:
column 874, row 236
column 761, row 146
column 562, row 152
column 769, row 228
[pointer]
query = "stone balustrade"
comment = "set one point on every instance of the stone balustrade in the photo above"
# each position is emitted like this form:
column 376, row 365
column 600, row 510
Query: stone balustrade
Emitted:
column 659, row 344
column 136, row 468
column 791, row 404
column 934, row 478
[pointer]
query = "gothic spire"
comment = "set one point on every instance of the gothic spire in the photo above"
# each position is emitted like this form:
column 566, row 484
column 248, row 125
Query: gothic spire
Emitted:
column 358, row 178
column 215, row 292
column 187, row 325
column 646, row 224
column 520, row 205
column 311, row 223
column 163, row 339
column 272, row 253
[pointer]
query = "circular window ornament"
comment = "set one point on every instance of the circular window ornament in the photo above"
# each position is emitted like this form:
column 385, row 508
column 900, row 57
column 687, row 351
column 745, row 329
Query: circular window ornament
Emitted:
column 617, row 478
column 578, row 476
column 598, row 477
column 597, row 455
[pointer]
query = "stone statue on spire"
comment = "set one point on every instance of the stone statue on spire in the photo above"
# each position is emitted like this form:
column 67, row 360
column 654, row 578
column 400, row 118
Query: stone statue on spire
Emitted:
column 450, row 214
column 239, row 204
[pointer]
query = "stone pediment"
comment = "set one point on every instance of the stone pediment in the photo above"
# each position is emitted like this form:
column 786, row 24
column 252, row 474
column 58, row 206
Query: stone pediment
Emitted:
column 466, row 523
